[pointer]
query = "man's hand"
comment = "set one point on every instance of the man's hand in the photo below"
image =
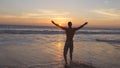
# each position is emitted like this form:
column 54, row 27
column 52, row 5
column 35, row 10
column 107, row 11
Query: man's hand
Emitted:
column 52, row 21
column 86, row 23
column 57, row 25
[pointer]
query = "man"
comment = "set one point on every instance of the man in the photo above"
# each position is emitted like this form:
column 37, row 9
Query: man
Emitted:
column 69, row 38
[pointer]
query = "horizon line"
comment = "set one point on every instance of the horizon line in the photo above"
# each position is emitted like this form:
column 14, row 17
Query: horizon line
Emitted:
column 26, row 25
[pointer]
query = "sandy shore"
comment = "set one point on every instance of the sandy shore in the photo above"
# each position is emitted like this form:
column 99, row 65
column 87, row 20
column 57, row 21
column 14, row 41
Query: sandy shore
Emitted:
column 45, row 53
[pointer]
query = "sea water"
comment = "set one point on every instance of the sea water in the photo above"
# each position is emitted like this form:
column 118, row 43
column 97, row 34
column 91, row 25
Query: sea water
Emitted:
column 42, row 47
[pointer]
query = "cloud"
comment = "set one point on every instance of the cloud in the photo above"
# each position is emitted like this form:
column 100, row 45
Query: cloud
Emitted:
column 45, row 14
column 7, row 16
column 53, row 12
column 37, row 14
column 108, row 12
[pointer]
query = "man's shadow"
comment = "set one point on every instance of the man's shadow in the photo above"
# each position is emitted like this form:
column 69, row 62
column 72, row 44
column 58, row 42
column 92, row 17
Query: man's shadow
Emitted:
column 78, row 65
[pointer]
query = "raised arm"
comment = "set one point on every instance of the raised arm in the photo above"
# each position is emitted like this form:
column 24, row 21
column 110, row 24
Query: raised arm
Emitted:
column 81, row 26
column 58, row 25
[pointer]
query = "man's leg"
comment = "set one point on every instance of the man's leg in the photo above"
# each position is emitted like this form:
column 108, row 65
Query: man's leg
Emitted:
column 71, row 50
column 65, row 52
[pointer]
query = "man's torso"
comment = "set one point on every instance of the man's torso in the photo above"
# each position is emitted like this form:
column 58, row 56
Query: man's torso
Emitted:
column 70, row 33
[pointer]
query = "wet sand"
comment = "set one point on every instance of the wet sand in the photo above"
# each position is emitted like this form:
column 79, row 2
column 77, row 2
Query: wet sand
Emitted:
column 45, row 53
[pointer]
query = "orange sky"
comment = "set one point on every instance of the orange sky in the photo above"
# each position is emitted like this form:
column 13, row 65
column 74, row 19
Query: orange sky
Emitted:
column 100, row 13
column 60, row 20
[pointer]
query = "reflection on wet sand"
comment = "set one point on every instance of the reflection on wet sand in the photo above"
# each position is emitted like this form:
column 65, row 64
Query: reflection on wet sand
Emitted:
column 58, row 53
column 47, row 52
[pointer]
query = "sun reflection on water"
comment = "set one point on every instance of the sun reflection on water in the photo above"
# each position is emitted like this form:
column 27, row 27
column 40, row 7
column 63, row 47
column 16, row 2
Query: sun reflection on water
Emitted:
column 59, row 45
column 58, row 52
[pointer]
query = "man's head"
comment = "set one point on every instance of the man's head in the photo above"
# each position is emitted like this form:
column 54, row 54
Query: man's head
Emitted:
column 70, row 24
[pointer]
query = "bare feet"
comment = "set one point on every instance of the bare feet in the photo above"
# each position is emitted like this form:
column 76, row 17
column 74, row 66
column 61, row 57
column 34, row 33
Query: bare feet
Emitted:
column 66, row 63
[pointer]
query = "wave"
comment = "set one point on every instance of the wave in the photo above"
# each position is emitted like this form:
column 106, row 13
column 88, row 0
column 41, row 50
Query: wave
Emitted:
column 114, row 43
column 109, row 41
column 52, row 32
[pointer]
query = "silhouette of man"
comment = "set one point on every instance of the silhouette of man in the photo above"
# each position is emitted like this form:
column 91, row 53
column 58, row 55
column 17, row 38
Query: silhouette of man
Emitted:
column 69, row 38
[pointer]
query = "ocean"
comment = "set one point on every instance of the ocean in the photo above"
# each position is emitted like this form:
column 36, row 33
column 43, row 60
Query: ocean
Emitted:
column 42, row 47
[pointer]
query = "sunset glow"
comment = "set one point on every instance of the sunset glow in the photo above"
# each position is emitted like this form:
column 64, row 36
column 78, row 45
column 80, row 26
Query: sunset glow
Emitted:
column 61, row 20
column 99, row 13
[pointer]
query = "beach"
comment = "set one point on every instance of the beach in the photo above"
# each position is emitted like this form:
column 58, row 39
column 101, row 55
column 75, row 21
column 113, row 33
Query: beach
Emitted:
column 44, row 50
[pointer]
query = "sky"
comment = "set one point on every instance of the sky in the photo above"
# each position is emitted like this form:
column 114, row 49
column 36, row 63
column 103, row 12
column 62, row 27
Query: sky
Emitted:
column 98, row 13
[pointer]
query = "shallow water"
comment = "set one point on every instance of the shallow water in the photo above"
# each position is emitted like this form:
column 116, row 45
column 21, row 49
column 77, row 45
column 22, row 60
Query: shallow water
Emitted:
column 23, row 48
column 45, row 51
